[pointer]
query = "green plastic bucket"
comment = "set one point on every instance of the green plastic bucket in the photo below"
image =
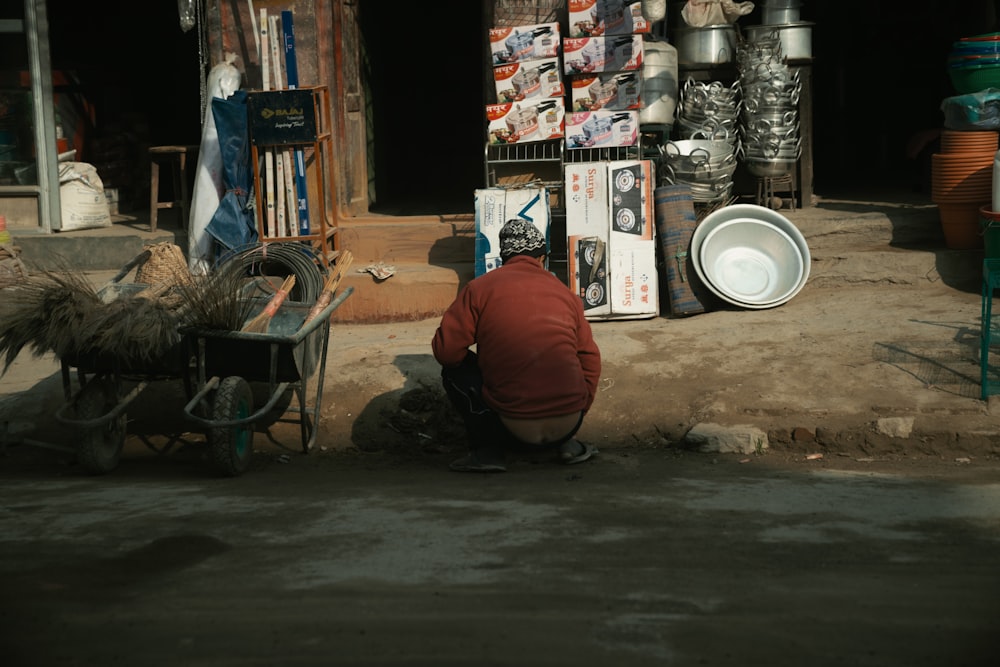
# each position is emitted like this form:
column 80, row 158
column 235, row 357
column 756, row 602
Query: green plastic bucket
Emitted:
column 990, row 223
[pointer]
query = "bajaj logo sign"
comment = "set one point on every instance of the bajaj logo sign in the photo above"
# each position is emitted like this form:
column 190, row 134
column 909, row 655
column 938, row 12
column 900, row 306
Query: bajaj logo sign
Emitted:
column 282, row 117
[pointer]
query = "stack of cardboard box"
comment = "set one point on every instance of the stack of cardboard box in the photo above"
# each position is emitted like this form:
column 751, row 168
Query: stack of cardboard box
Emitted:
column 611, row 246
column 602, row 59
column 530, row 93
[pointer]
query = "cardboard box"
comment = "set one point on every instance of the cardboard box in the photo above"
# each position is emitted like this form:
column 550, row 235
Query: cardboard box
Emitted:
column 587, row 210
column 601, row 129
column 615, row 91
column 494, row 207
column 587, row 260
column 526, row 42
column 593, row 18
column 614, row 53
column 611, row 200
column 538, row 119
column 531, row 79
column 633, row 280
column 611, row 248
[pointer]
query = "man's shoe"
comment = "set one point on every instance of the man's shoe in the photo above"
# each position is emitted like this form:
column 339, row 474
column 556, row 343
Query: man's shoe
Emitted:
column 573, row 451
column 475, row 462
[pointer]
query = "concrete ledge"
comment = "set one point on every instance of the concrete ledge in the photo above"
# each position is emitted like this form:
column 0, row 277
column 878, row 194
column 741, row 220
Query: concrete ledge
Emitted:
column 413, row 292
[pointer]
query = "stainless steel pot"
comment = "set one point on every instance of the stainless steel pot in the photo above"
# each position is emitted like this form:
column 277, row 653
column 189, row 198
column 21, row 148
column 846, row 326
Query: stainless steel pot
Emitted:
column 710, row 45
column 779, row 15
column 796, row 38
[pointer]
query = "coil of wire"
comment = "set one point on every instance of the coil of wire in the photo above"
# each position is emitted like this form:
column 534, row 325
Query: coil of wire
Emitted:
column 278, row 260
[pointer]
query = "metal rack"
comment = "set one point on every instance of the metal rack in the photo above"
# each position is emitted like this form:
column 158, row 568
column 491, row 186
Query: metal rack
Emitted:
column 309, row 134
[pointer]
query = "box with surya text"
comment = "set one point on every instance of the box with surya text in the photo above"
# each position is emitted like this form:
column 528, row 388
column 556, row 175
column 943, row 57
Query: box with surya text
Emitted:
column 531, row 79
column 525, row 42
column 494, row 207
column 611, row 251
column 592, row 18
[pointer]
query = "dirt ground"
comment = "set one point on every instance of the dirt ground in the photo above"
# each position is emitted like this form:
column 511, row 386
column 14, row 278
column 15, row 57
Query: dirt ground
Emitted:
column 876, row 358
column 855, row 536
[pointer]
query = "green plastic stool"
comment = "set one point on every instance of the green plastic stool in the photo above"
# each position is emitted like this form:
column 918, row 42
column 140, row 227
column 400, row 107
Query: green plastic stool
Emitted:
column 991, row 281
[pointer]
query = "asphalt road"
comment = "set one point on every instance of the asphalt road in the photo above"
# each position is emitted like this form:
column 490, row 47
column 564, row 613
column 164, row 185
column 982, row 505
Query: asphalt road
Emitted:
column 639, row 557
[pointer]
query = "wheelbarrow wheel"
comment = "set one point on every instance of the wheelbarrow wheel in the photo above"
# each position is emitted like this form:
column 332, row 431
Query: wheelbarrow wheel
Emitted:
column 230, row 448
column 99, row 448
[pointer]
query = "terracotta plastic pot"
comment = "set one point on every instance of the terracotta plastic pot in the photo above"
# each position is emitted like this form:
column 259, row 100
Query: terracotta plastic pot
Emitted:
column 957, row 141
column 961, row 225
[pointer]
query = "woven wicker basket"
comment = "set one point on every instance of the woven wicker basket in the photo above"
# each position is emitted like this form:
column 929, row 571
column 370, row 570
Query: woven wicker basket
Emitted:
column 12, row 269
column 166, row 266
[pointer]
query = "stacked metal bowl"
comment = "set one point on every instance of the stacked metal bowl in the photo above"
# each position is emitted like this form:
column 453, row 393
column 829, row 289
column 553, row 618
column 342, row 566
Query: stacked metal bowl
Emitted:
column 709, row 108
column 769, row 120
column 750, row 256
column 705, row 156
column 704, row 164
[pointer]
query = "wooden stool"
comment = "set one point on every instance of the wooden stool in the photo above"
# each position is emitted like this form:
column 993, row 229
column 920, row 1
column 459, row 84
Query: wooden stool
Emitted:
column 767, row 186
column 176, row 159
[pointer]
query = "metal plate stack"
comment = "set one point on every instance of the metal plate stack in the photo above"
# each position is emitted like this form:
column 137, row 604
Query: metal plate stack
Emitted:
column 769, row 120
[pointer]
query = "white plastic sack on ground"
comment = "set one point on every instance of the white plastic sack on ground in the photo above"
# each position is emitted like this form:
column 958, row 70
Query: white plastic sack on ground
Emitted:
column 700, row 13
column 81, row 194
column 223, row 81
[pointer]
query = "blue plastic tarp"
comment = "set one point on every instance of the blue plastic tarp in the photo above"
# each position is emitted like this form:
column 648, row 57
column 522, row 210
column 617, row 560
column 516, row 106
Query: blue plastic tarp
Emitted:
column 233, row 224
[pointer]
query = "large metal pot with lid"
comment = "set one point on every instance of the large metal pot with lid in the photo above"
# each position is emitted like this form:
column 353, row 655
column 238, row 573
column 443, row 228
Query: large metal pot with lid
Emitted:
column 708, row 45
column 796, row 38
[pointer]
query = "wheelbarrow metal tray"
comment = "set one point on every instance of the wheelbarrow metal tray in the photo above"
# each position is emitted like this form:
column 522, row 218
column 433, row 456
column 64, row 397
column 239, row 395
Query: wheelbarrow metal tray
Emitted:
column 175, row 362
column 297, row 348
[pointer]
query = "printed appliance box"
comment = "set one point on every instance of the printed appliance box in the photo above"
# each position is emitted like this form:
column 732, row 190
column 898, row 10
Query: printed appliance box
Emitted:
column 614, row 91
column 592, row 18
column 614, row 53
column 494, row 207
column 526, row 42
column 535, row 119
column 611, row 249
column 601, row 128
column 535, row 78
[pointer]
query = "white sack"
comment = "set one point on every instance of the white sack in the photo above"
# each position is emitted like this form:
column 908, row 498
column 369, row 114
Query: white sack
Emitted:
column 223, row 81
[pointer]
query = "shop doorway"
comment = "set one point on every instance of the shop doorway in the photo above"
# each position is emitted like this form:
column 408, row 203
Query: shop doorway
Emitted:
column 423, row 73
column 118, row 90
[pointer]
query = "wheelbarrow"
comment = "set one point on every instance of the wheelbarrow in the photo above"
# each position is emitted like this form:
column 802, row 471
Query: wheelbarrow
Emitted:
column 108, row 384
column 285, row 358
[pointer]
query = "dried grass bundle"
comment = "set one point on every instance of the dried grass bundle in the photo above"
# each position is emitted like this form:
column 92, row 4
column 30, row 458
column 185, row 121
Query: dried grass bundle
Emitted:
column 45, row 314
column 218, row 300
column 133, row 329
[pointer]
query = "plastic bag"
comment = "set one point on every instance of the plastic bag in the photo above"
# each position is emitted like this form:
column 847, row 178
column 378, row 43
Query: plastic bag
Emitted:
column 974, row 111
column 701, row 13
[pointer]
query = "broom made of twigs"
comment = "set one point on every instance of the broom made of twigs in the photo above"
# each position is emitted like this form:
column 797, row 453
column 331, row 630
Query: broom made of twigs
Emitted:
column 330, row 286
column 261, row 322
